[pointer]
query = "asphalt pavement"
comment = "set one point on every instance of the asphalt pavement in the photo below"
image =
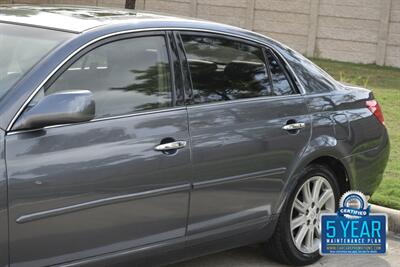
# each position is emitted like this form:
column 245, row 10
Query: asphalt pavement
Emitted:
column 252, row 256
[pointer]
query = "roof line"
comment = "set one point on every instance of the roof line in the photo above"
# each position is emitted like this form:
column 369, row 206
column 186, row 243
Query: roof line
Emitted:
column 38, row 26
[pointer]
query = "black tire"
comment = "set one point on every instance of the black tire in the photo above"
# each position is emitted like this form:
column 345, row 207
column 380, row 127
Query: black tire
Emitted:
column 281, row 247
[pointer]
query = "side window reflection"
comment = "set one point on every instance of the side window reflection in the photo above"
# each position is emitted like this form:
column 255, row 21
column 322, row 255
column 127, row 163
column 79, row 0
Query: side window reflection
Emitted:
column 125, row 76
column 280, row 82
column 223, row 69
column 313, row 78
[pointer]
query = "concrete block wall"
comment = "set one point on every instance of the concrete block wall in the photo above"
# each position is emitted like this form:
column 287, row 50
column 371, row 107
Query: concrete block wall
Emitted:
column 392, row 56
column 111, row 3
column 360, row 31
column 176, row 7
column 348, row 30
column 285, row 21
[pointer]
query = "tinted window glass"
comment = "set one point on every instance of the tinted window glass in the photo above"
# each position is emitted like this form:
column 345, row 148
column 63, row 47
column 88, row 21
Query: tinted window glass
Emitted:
column 21, row 47
column 124, row 76
column 313, row 78
column 224, row 69
column 280, row 83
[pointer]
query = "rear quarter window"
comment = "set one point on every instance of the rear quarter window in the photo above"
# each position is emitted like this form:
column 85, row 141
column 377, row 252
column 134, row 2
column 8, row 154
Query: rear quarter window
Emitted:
column 312, row 77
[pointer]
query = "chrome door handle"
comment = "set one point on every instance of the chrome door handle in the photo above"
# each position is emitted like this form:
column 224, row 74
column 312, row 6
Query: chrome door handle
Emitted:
column 294, row 126
column 171, row 146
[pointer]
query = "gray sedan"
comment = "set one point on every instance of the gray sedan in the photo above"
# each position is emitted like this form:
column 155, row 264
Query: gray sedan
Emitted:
column 145, row 138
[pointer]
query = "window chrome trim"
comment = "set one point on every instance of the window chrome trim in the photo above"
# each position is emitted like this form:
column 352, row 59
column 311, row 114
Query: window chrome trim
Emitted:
column 139, row 113
column 244, row 100
column 33, row 94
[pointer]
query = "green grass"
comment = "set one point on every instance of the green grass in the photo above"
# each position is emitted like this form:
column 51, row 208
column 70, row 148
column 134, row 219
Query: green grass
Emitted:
column 385, row 83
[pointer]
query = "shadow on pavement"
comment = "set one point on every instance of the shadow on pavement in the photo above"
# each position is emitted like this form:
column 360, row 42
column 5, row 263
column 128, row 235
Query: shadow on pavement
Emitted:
column 253, row 256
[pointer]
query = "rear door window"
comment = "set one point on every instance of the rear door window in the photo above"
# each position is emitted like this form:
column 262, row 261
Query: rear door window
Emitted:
column 224, row 69
column 280, row 81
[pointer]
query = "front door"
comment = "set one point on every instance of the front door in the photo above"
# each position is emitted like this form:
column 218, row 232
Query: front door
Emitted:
column 240, row 151
column 77, row 191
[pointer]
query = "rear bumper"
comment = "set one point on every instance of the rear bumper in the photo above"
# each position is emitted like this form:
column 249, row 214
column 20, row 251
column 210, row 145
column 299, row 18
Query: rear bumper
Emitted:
column 365, row 169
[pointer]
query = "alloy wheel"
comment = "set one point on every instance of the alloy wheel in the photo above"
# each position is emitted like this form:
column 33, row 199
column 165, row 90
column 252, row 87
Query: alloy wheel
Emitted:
column 314, row 197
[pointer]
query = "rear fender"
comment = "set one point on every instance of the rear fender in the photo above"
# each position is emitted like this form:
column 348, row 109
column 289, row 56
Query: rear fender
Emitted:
column 322, row 146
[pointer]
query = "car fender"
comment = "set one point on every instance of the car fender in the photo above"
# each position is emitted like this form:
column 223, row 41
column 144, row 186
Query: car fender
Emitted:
column 322, row 146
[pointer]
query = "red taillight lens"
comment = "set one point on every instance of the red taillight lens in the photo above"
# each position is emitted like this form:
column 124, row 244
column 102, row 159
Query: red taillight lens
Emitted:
column 374, row 107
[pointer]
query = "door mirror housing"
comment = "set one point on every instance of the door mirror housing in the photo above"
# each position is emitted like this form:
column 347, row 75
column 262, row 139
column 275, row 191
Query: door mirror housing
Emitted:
column 58, row 108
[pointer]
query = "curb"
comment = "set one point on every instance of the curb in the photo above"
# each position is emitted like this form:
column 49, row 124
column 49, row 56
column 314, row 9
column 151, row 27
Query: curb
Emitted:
column 393, row 217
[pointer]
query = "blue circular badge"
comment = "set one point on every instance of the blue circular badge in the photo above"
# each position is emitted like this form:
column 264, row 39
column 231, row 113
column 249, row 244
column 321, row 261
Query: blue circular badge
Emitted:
column 353, row 205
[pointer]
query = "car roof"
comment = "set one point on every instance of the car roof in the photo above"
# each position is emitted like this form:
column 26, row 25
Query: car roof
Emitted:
column 78, row 19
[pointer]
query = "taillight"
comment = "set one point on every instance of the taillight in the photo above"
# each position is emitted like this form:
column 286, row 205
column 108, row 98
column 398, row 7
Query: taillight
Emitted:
column 374, row 107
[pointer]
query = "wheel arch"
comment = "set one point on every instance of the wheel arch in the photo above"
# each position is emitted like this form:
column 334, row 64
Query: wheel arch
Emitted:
column 326, row 158
column 338, row 168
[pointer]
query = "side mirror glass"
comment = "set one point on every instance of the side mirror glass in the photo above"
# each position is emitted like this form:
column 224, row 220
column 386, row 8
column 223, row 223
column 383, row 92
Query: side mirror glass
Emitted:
column 58, row 108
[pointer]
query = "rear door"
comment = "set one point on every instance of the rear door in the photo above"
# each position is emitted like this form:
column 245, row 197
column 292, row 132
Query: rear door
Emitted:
column 242, row 99
column 81, row 190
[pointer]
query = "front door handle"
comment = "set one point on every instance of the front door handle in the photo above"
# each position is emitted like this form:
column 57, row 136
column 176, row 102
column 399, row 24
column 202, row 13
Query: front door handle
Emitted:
column 294, row 126
column 171, row 146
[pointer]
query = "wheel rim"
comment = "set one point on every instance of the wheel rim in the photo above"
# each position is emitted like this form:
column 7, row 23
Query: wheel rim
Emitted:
column 314, row 197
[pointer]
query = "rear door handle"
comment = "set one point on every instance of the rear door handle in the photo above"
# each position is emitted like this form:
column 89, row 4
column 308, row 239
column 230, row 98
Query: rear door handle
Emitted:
column 171, row 146
column 294, row 126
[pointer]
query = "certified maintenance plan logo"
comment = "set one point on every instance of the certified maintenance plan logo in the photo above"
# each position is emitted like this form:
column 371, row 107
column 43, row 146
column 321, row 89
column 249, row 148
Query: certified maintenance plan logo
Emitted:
column 353, row 229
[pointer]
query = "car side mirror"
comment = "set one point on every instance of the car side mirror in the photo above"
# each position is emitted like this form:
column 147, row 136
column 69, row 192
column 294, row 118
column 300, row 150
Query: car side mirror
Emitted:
column 58, row 108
